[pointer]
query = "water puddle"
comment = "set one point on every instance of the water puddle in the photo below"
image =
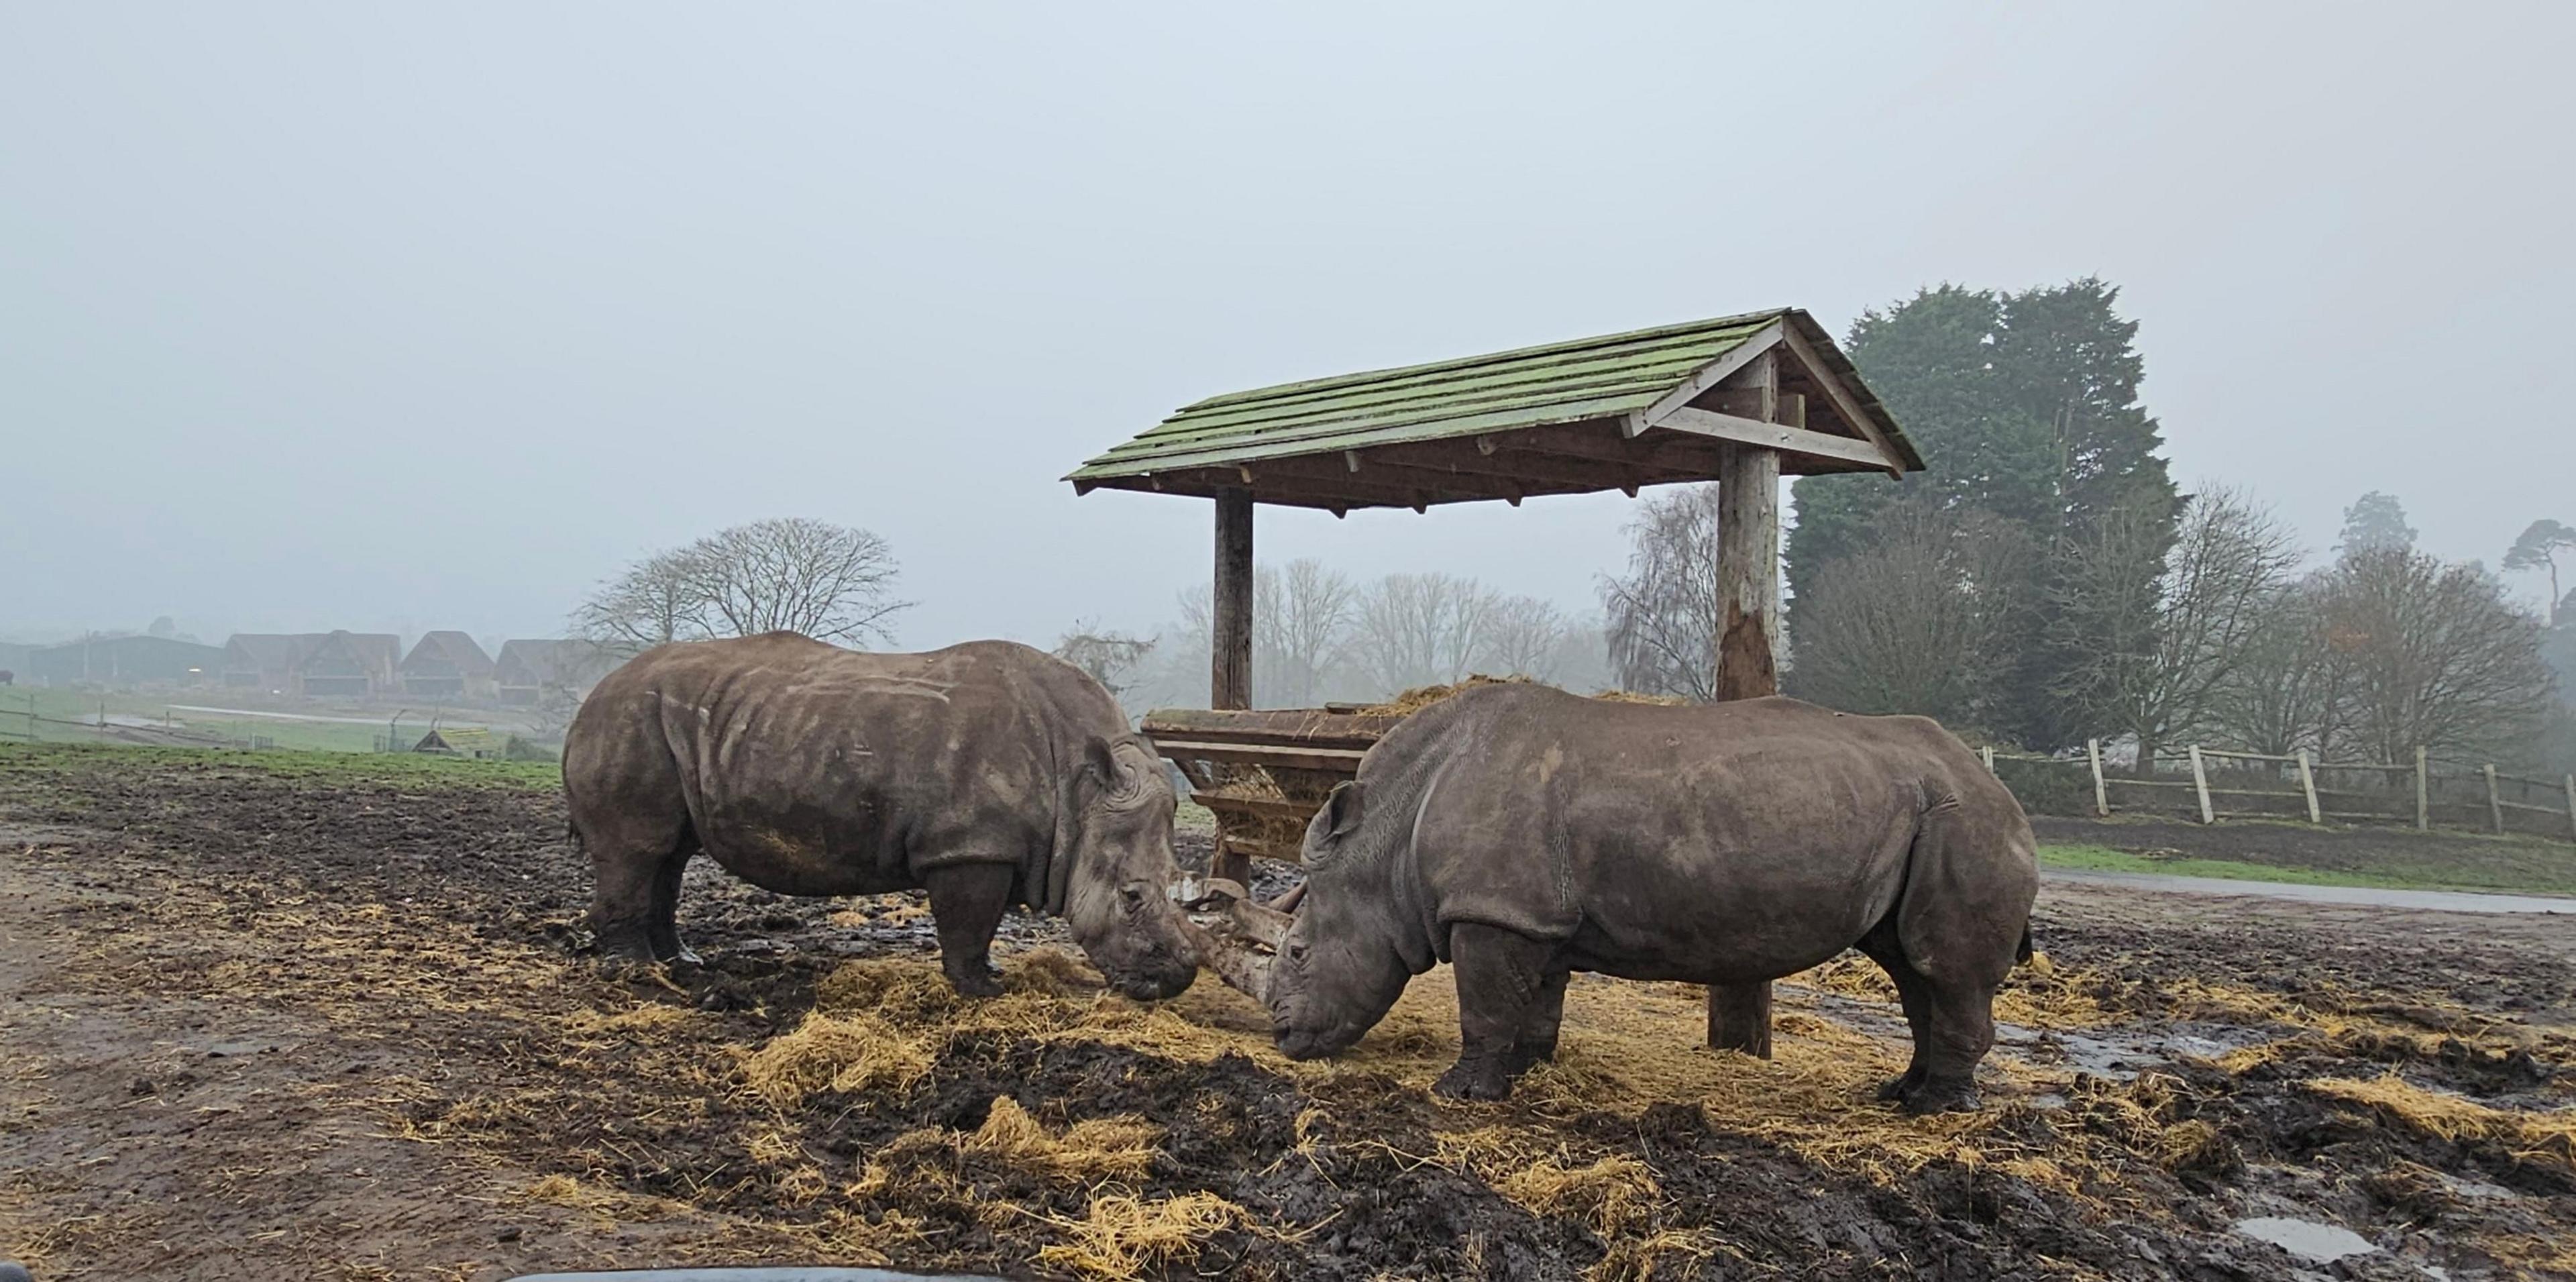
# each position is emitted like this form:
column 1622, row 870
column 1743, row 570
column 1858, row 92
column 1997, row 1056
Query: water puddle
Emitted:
column 2307, row 1239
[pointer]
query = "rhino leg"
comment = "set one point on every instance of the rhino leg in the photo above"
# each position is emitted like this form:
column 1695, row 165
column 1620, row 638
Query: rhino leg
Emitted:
column 636, row 860
column 1500, row 976
column 1546, row 1014
column 966, row 903
column 1913, row 991
column 1959, row 1031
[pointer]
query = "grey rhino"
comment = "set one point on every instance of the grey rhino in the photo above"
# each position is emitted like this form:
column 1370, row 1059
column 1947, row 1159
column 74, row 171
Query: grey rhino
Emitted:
column 987, row 773
column 1522, row 833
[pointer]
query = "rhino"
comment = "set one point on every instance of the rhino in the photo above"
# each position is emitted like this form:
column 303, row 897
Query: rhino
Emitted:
column 1521, row 833
column 987, row 773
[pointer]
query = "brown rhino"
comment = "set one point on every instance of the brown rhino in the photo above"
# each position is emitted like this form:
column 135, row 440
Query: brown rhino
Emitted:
column 987, row 773
column 1521, row 833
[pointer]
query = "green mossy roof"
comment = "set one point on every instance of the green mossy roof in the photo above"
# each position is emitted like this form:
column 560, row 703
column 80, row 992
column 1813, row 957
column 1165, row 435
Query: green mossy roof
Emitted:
column 1570, row 382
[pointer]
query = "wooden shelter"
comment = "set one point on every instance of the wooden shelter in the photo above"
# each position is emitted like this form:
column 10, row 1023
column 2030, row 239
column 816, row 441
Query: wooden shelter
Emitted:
column 1738, row 400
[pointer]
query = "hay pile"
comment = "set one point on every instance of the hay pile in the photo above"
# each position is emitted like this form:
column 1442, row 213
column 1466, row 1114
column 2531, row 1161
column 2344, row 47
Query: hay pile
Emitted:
column 1420, row 697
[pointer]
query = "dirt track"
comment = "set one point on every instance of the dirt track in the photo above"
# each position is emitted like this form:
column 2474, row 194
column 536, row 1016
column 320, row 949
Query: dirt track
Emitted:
column 262, row 1026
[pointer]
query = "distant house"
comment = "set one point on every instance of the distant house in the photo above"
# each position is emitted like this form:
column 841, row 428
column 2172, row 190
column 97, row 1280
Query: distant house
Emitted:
column 266, row 661
column 128, row 660
column 529, row 671
column 350, row 665
column 447, row 665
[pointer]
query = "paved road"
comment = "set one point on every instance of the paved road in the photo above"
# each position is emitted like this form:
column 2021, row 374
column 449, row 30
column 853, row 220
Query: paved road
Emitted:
column 2448, row 901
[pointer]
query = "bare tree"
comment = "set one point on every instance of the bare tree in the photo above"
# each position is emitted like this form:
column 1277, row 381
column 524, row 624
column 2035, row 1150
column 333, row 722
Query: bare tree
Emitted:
column 2286, row 692
column 2435, row 655
column 1663, row 615
column 830, row 582
column 651, row 602
column 1422, row 629
column 1301, row 618
column 1913, row 621
column 1525, row 637
column 2227, row 559
column 1110, row 657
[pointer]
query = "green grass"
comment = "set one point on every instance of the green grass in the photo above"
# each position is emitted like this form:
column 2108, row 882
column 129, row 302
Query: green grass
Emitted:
column 2399, row 877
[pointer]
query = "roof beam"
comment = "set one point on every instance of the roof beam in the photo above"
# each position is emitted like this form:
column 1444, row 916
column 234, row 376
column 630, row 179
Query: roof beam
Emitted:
column 1846, row 406
column 1775, row 436
column 1455, row 459
column 1709, row 375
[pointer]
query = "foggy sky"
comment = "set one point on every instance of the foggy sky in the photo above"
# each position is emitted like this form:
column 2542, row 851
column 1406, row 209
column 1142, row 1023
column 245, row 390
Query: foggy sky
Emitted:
column 387, row 317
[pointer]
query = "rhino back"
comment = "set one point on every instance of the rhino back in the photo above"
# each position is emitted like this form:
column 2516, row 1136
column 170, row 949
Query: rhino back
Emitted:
column 1750, row 838
column 810, row 769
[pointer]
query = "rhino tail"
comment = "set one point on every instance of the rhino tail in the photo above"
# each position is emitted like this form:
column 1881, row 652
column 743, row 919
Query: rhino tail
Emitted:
column 2023, row 954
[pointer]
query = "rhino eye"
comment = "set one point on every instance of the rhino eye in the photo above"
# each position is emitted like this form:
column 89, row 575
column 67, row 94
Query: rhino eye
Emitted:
column 1135, row 897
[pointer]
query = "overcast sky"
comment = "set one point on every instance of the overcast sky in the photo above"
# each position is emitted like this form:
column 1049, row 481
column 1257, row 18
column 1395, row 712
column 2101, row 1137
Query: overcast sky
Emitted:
column 403, row 317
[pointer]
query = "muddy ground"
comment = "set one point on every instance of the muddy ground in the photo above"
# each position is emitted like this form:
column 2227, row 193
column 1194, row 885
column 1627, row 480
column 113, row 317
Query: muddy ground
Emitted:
column 256, row 1024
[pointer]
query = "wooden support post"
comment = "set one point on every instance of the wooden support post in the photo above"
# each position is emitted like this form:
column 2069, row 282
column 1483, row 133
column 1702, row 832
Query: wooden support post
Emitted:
column 1748, row 643
column 2495, row 801
column 2423, row 794
column 2571, row 787
column 1230, row 639
column 2200, row 781
column 2101, row 790
column 2308, row 785
column 1988, row 752
column 1230, row 642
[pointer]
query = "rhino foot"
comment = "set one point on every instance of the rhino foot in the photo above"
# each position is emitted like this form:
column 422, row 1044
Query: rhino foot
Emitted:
column 981, row 981
column 1474, row 1081
column 1934, row 1097
column 1895, row 1088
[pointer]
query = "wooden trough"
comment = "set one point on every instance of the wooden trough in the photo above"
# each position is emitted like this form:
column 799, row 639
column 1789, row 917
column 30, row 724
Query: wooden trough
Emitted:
column 1264, row 774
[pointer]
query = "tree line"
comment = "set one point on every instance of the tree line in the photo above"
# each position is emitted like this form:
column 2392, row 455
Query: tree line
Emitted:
column 2045, row 581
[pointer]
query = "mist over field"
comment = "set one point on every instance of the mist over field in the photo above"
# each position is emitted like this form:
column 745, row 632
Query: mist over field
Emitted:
column 319, row 317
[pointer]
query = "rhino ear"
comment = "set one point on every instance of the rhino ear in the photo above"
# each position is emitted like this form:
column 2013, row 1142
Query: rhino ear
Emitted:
column 1342, row 809
column 1119, row 783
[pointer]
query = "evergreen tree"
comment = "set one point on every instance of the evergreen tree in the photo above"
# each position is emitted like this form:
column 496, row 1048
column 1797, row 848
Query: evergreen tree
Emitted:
column 2026, row 409
column 2376, row 522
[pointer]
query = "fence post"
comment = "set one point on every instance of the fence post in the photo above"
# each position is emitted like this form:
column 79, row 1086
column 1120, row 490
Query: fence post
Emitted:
column 1989, row 753
column 2200, row 781
column 2423, row 794
column 2102, row 793
column 2308, row 784
column 2495, row 803
column 2571, row 804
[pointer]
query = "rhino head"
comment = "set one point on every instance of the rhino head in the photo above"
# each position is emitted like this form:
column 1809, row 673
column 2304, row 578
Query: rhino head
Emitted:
column 1120, row 807
column 1338, row 969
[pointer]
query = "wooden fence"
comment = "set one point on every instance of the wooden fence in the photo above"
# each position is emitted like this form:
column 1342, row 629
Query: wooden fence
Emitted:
column 2216, row 784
